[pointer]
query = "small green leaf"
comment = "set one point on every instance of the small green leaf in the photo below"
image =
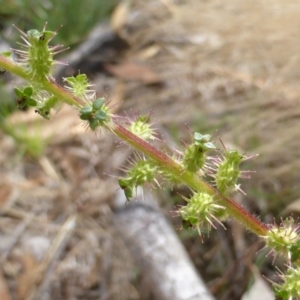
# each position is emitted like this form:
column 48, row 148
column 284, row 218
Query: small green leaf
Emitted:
column 124, row 185
column 81, row 78
column 6, row 54
column 209, row 145
column 98, row 103
column 44, row 37
column 85, row 113
column 94, row 124
column 18, row 92
column 31, row 102
column 28, row 91
column 198, row 137
column 100, row 115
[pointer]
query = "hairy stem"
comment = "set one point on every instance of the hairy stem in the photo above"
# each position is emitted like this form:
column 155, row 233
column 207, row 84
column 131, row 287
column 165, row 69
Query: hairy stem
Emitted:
column 49, row 86
column 164, row 161
column 12, row 67
column 192, row 180
column 62, row 94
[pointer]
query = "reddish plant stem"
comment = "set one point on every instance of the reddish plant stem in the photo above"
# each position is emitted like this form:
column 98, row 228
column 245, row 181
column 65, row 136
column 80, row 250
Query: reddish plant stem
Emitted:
column 171, row 166
column 62, row 94
column 192, row 180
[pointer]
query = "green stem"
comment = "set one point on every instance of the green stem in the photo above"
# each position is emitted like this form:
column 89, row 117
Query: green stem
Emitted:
column 49, row 86
column 165, row 162
column 12, row 67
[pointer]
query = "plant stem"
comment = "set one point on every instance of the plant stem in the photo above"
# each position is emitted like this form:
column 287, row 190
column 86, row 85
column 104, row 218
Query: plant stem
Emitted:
column 192, row 180
column 62, row 94
column 12, row 67
column 164, row 161
column 49, row 86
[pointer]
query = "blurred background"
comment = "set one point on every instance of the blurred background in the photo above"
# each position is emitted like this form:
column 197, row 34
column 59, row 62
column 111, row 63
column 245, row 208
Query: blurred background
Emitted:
column 230, row 69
